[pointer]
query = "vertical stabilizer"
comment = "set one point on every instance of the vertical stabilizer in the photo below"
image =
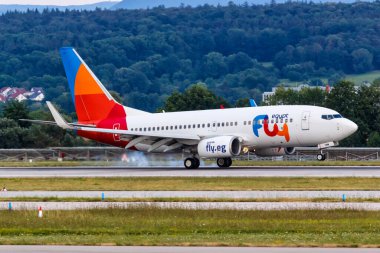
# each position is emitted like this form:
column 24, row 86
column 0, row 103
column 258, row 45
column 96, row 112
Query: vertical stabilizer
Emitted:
column 92, row 101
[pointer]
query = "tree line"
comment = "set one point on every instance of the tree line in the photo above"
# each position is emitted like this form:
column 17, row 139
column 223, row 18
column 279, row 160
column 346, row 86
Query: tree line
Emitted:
column 237, row 51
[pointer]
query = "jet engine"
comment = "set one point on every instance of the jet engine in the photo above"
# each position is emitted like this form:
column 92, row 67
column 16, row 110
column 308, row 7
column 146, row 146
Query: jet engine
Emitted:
column 270, row 152
column 290, row 150
column 221, row 146
column 275, row 151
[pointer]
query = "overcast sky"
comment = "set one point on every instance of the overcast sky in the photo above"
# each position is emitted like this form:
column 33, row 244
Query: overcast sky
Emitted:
column 52, row 2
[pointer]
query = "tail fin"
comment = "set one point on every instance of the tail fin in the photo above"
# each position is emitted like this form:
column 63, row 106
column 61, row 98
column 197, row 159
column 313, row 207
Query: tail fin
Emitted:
column 93, row 103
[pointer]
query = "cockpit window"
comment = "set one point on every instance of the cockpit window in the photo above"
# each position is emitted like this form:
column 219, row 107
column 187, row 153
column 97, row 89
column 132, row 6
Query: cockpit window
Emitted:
column 329, row 117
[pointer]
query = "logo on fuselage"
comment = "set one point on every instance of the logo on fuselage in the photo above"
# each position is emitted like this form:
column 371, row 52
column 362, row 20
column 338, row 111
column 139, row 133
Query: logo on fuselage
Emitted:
column 262, row 121
column 211, row 147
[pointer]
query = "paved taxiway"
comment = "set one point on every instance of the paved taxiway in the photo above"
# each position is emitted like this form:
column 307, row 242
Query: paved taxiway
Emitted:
column 255, row 171
column 128, row 249
column 193, row 194
column 195, row 205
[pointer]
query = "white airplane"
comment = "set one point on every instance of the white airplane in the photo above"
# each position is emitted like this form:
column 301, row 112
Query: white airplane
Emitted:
column 219, row 133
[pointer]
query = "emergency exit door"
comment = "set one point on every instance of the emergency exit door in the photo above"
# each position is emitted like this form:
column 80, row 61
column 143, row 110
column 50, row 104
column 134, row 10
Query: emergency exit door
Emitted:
column 305, row 121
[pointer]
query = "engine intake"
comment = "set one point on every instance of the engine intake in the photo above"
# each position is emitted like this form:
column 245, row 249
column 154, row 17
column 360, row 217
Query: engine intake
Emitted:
column 221, row 146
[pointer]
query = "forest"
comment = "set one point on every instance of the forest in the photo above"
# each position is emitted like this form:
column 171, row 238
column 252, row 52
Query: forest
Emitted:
column 146, row 55
column 193, row 58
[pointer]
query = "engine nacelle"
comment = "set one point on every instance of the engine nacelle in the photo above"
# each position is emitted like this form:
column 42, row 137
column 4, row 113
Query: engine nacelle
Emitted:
column 290, row 150
column 219, row 147
column 270, row 152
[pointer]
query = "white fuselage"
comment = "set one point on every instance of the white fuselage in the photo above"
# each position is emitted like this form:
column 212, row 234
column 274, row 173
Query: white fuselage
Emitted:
column 306, row 125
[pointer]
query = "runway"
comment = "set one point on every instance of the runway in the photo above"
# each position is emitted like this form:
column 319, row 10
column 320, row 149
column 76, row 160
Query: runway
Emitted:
column 194, row 205
column 131, row 249
column 193, row 194
column 255, row 171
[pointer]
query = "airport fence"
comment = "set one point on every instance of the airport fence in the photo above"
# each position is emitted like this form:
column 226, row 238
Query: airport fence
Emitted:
column 118, row 154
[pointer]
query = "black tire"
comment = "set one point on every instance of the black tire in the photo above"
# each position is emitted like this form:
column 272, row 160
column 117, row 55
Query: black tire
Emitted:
column 221, row 162
column 228, row 162
column 197, row 163
column 189, row 163
column 320, row 157
column 324, row 157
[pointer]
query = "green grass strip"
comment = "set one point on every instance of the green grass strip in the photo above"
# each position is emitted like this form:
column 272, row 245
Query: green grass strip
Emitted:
column 189, row 183
column 154, row 226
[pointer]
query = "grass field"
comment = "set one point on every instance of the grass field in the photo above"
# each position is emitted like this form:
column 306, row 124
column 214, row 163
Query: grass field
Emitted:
column 72, row 199
column 188, row 184
column 153, row 226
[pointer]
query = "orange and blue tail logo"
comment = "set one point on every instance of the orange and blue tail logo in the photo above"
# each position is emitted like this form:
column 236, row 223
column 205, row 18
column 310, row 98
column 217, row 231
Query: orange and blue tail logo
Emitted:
column 93, row 103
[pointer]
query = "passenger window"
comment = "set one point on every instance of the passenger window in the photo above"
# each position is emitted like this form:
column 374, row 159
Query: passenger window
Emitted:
column 203, row 125
column 282, row 121
column 171, row 127
column 162, row 128
column 286, row 120
column 140, row 129
column 199, row 125
column 180, row 126
column 218, row 124
column 226, row 123
column 208, row 124
column 175, row 127
column 167, row 128
column 272, row 121
column 236, row 123
column 232, row 123
column 245, row 123
column 193, row 125
column 213, row 124
column 154, row 128
column 222, row 124
column 144, row 129
column 249, row 122
column 184, row 126
column 189, row 126
column 291, row 120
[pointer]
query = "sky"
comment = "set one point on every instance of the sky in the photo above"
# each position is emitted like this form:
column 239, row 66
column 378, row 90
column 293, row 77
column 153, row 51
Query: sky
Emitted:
column 52, row 2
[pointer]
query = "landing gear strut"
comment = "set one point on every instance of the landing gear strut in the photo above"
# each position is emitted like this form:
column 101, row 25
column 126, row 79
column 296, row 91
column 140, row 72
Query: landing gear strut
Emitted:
column 191, row 163
column 321, row 157
column 224, row 162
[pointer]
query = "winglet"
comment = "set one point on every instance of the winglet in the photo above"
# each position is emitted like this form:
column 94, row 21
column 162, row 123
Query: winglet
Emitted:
column 57, row 117
column 252, row 102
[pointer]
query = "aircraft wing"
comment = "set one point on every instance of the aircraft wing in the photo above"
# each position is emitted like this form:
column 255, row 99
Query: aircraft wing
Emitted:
column 61, row 122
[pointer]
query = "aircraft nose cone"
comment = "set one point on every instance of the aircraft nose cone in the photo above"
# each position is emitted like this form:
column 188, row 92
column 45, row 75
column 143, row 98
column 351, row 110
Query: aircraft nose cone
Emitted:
column 350, row 127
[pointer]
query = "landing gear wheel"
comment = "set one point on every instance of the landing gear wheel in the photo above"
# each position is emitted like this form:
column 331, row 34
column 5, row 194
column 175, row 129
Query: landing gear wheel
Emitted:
column 224, row 162
column 228, row 162
column 191, row 163
column 197, row 163
column 321, row 157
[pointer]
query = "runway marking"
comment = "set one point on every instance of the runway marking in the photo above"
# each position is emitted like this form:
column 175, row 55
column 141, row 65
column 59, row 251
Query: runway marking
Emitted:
column 194, row 194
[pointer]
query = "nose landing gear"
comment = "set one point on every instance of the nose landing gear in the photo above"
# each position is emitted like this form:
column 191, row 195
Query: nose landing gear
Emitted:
column 224, row 162
column 321, row 157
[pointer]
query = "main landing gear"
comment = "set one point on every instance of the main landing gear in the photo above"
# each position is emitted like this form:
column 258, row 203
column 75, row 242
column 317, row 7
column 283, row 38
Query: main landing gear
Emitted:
column 191, row 163
column 321, row 157
column 224, row 162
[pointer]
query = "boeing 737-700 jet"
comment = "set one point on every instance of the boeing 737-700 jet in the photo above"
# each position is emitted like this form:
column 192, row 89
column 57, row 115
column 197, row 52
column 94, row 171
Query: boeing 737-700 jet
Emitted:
column 219, row 133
